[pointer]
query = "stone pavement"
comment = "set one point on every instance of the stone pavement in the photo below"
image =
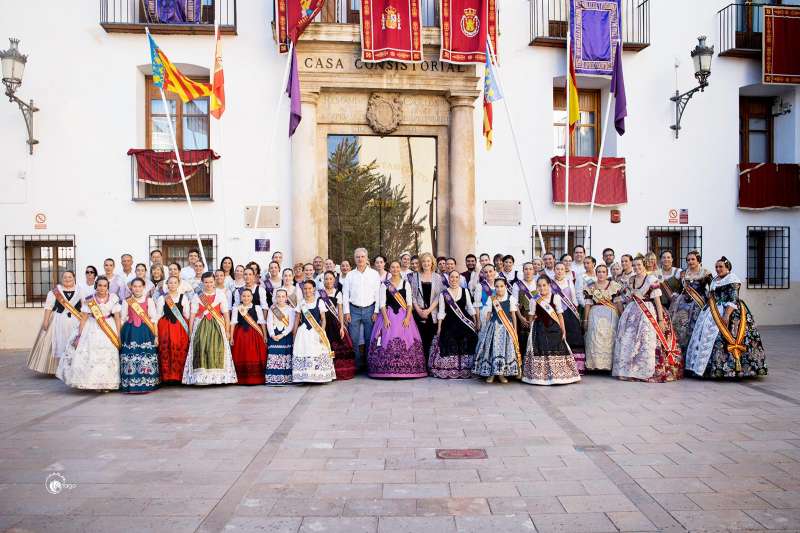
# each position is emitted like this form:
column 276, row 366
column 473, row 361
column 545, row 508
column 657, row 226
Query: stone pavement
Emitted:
column 360, row 456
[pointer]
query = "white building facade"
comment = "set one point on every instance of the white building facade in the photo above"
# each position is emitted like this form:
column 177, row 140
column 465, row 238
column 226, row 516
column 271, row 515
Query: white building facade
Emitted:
column 77, row 198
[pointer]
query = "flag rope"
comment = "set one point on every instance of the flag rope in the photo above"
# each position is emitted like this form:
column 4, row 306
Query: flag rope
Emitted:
column 600, row 157
column 516, row 146
column 569, row 133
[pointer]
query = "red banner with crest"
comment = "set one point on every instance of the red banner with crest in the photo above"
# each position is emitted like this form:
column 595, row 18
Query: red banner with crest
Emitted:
column 294, row 16
column 465, row 25
column 391, row 31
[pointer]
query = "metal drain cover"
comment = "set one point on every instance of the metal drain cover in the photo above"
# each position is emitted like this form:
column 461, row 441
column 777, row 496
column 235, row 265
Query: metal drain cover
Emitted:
column 456, row 453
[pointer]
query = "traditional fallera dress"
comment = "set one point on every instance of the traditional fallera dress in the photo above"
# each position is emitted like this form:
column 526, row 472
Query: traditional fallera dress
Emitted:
column 601, row 328
column 51, row 344
column 395, row 351
column 641, row 350
column 138, row 357
column 547, row 360
column 523, row 295
column 279, row 353
column 345, row 361
column 572, row 318
column 689, row 300
column 453, row 350
column 249, row 350
column 719, row 352
column 312, row 355
column 173, row 336
column 94, row 363
column 424, row 294
column 209, row 361
column 497, row 352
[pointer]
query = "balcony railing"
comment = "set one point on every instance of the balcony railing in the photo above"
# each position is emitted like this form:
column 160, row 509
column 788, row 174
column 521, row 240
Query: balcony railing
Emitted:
column 549, row 20
column 740, row 28
column 155, row 175
column 184, row 16
column 348, row 12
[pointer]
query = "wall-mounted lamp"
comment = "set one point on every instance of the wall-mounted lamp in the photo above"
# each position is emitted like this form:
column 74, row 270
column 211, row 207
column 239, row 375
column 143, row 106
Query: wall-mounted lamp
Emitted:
column 13, row 63
column 701, row 56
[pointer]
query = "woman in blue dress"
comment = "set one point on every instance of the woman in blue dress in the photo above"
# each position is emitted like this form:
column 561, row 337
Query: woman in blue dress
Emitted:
column 138, row 356
column 497, row 354
column 280, row 321
column 725, row 342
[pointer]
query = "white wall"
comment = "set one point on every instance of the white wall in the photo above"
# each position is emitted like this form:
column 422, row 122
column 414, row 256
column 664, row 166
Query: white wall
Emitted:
column 90, row 90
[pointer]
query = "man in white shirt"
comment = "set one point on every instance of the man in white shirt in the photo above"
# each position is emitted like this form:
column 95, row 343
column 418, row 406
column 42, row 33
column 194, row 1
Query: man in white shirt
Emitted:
column 187, row 272
column 578, row 255
column 128, row 273
column 360, row 297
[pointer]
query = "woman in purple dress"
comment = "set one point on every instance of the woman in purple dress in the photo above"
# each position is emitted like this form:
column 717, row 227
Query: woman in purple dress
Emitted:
column 395, row 348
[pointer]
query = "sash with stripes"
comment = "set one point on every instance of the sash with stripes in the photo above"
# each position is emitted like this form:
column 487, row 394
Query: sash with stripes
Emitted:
column 66, row 303
column 205, row 304
column 524, row 289
column 693, row 294
column 268, row 284
column 247, row 318
column 332, row 309
column 670, row 347
column 279, row 315
column 571, row 306
column 101, row 321
column 736, row 345
column 142, row 314
column 395, row 293
column 321, row 332
column 176, row 312
column 509, row 328
column 547, row 308
column 594, row 294
column 451, row 303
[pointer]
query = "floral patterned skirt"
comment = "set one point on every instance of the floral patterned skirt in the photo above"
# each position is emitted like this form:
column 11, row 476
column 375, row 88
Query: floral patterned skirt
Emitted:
column 495, row 354
column 173, row 346
column 311, row 361
column 249, row 355
column 279, row 360
column 453, row 352
column 547, row 360
column 138, row 360
column 599, row 339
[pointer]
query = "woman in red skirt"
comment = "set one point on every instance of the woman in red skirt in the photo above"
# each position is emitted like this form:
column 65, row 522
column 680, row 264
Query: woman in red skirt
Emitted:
column 247, row 341
column 173, row 331
column 345, row 360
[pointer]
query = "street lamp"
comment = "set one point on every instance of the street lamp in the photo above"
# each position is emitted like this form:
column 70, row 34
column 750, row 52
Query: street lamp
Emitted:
column 13, row 64
column 701, row 57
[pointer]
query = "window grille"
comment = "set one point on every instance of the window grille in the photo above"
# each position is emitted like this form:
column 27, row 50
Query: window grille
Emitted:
column 554, row 239
column 768, row 257
column 34, row 264
column 175, row 248
column 680, row 240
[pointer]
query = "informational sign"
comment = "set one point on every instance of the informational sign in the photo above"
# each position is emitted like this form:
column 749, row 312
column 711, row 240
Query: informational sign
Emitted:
column 502, row 213
column 672, row 217
column 40, row 221
column 262, row 245
column 269, row 217
column 684, row 216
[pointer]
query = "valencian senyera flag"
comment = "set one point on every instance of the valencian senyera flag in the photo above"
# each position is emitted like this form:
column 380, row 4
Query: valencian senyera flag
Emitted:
column 597, row 47
column 465, row 27
column 168, row 77
column 491, row 94
column 294, row 16
column 391, row 31
column 218, row 82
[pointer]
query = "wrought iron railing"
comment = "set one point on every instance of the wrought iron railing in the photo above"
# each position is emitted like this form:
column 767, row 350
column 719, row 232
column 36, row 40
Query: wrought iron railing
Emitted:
column 189, row 16
column 740, row 28
column 549, row 19
column 348, row 12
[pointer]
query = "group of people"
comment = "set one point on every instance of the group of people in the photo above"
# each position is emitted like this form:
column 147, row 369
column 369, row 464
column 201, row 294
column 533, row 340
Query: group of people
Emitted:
column 641, row 318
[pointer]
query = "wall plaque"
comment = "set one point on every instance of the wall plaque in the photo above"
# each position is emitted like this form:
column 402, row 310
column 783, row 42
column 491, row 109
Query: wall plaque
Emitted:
column 502, row 213
column 268, row 218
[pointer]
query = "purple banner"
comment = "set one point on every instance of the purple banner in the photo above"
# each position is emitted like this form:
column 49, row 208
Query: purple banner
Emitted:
column 595, row 35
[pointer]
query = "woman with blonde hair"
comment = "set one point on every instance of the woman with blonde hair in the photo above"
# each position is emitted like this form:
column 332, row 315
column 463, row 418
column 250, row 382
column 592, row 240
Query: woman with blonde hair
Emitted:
column 426, row 286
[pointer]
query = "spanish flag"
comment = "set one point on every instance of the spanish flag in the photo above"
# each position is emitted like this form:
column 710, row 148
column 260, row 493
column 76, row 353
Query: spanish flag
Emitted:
column 218, row 82
column 167, row 76
column 572, row 93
